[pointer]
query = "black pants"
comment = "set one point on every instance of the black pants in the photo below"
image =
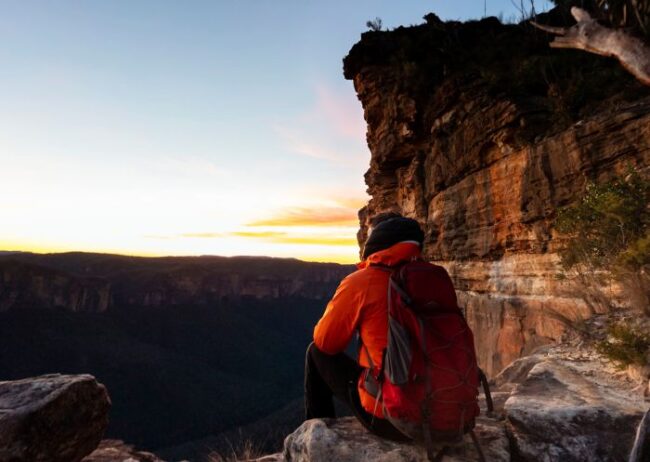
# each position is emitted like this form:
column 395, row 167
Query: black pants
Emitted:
column 328, row 376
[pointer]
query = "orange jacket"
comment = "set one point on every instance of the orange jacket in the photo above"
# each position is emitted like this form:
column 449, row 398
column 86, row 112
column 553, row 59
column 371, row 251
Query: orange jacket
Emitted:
column 360, row 304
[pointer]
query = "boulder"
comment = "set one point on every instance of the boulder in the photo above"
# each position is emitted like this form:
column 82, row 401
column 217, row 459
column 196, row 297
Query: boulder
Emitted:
column 52, row 418
column 571, row 411
column 118, row 451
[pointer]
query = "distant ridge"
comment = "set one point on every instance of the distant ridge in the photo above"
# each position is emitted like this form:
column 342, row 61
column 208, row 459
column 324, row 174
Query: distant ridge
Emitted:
column 166, row 257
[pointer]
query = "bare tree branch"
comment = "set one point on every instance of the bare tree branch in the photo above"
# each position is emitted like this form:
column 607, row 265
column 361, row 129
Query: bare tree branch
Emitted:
column 590, row 36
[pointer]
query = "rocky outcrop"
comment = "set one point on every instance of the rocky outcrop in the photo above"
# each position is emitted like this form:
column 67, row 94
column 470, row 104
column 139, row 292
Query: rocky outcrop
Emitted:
column 473, row 135
column 563, row 404
column 52, row 418
column 96, row 283
column 345, row 440
column 118, row 451
column 566, row 411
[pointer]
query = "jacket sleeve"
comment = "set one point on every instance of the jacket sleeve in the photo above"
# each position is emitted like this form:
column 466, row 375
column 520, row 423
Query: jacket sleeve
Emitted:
column 336, row 328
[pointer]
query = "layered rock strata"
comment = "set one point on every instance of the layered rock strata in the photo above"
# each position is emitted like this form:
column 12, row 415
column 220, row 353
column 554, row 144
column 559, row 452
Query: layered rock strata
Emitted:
column 472, row 136
column 95, row 283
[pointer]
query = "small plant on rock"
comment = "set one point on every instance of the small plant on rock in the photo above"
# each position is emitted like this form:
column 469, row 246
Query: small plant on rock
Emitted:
column 626, row 344
column 374, row 25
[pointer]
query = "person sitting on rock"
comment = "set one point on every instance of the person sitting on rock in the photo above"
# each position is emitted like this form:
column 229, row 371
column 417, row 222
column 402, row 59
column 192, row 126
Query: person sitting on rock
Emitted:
column 359, row 305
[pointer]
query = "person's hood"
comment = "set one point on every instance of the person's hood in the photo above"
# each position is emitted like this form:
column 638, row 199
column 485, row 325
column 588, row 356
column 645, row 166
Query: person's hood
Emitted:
column 398, row 253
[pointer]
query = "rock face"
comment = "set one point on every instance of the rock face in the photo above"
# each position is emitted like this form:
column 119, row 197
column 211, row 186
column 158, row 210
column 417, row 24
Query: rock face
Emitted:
column 52, row 418
column 564, row 404
column 345, row 440
column 23, row 284
column 562, row 413
column 471, row 136
column 95, row 283
column 117, row 451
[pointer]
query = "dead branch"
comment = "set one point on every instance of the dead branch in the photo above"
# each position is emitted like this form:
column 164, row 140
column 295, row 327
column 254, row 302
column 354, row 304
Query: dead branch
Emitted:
column 592, row 37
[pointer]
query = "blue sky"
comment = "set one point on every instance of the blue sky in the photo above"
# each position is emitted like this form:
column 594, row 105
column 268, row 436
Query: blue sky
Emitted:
column 197, row 127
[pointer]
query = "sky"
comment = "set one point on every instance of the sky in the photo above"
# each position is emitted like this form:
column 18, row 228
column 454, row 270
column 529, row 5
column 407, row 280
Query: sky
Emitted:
column 159, row 127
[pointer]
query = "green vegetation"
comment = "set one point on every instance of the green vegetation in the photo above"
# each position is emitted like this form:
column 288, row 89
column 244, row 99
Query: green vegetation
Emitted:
column 609, row 241
column 627, row 345
column 374, row 24
column 244, row 450
column 608, row 223
column 608, row 245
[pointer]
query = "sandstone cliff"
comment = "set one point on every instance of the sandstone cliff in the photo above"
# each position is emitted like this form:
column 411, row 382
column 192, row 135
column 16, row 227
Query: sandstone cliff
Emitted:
column 481, row 132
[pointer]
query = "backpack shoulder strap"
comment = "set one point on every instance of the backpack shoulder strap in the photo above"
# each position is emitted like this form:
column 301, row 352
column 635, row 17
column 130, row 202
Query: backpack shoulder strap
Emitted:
column 382, row 267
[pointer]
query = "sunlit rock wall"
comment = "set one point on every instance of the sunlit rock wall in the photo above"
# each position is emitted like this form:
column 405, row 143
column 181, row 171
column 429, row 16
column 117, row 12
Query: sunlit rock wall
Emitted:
column 472, row 135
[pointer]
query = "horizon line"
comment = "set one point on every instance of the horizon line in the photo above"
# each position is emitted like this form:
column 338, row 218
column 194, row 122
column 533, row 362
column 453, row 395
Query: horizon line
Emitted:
column 152, row 256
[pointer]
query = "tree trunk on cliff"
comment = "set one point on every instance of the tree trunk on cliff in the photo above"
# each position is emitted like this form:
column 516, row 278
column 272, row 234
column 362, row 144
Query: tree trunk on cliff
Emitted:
column 592, row 37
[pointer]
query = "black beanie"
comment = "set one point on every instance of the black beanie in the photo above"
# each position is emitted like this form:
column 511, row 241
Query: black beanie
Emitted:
column 391, row 231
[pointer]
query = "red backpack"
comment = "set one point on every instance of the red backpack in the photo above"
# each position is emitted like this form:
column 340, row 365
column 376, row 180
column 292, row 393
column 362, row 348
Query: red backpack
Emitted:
column 429, row 378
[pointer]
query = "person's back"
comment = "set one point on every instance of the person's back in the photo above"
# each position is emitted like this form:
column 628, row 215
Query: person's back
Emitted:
column 359, row 306
column 416, row 376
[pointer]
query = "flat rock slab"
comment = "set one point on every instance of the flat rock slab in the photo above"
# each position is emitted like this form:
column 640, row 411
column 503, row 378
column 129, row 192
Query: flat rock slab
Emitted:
column 569, row 411
column 346, row 440
column 52, row 418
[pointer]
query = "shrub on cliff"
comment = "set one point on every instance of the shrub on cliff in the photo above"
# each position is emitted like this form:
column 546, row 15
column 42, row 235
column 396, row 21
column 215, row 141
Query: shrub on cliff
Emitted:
column 608, row 233
column 626, row 344
column 374, row 24
column 607, row 246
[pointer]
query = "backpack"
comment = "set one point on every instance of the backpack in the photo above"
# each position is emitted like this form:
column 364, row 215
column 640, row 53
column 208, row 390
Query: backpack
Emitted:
column 429, row 378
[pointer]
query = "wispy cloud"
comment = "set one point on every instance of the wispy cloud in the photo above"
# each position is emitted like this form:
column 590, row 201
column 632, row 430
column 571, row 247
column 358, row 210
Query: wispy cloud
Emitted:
column 328, row 222
column 260, row 234
column 287, row 238
column 333, row 129
column 296, row 141
column 204, row 235
column 343, row 112
column 312, row 216
column 275, row 237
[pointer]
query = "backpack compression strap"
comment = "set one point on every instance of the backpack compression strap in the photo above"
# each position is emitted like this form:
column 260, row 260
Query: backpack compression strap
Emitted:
column 486, row 389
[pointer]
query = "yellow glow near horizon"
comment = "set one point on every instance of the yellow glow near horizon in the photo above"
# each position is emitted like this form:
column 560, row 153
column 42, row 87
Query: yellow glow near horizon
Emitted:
column 101, row 181
column 344, row 254
column 322, row 231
